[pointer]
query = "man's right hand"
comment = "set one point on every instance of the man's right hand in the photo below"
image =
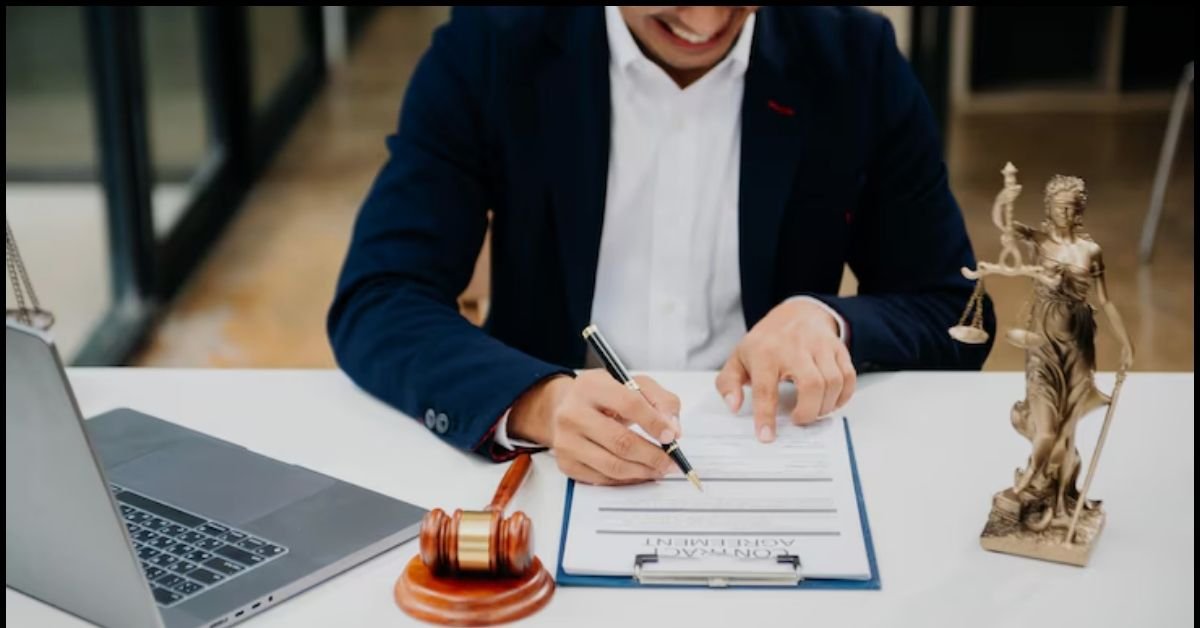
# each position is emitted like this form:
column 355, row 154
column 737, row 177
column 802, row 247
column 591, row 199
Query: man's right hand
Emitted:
column 585, row 420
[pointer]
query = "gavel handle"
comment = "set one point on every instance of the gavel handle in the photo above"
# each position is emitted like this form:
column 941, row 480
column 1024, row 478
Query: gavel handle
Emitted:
column 510, row 483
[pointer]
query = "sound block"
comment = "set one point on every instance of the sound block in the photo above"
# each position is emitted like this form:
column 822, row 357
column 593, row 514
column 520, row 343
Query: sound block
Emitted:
column 471, row 600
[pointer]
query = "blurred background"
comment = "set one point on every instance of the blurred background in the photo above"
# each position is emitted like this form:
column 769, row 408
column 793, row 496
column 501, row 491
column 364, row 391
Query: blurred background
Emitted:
column 182, row 181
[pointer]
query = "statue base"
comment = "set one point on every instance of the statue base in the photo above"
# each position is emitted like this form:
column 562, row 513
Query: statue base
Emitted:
column 1005, row 532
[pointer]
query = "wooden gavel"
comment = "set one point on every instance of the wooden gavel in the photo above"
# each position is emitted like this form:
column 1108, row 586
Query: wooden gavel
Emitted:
column 481, row 542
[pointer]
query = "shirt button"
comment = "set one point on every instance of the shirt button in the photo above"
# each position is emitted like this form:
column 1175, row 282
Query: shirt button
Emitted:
column 443, row 423
column 668, row 307
column 430, row 418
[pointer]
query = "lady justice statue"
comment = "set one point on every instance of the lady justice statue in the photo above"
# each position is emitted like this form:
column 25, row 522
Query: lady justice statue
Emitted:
column 1043, row 514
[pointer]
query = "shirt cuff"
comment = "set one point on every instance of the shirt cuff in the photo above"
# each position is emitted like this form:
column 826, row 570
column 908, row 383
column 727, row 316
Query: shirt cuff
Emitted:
column 841, row 322
column 502, row 439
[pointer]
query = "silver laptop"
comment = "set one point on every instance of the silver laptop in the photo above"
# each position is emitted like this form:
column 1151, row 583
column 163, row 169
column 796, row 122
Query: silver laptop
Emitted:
column 128, row 520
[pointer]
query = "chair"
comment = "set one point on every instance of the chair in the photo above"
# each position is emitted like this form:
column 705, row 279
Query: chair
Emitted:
column 1165, row 159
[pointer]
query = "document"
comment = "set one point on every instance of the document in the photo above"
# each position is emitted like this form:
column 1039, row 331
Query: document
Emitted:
column 795, row 497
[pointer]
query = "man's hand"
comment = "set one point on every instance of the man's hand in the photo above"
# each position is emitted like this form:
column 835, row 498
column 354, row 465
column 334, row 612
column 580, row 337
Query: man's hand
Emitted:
column 796, row 341
column 585, row 420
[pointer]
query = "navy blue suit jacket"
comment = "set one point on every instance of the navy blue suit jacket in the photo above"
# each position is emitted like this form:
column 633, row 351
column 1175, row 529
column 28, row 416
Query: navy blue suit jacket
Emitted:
column 508, row 111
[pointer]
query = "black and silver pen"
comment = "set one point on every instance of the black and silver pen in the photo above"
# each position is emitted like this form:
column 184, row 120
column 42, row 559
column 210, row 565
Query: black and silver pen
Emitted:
column 617, row 369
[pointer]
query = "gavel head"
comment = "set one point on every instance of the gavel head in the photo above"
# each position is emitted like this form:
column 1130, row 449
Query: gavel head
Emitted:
column 476, row 542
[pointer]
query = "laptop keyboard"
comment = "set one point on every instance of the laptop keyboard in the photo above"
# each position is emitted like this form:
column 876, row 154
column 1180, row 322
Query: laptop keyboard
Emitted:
column 183, row 554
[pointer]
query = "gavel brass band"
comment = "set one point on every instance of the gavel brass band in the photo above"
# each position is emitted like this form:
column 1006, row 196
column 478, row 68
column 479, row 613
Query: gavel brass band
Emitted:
column 474, row 537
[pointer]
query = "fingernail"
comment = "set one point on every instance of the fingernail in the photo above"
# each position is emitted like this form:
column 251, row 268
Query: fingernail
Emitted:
column 667, row 436
column 766, row 433
column 731, row 401
column 675, row 424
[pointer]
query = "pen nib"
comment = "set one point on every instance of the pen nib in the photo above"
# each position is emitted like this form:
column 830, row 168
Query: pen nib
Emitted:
column 695, row 480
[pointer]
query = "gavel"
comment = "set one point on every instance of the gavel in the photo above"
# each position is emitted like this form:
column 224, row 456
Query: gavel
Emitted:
column 482, row 542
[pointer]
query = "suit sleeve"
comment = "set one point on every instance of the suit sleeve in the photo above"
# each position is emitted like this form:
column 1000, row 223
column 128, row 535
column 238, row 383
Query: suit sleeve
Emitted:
column 910, row 241
column 394, row 323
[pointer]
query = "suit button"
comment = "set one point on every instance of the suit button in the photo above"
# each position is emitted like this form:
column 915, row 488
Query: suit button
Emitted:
column 443, row 422
column 430, row 418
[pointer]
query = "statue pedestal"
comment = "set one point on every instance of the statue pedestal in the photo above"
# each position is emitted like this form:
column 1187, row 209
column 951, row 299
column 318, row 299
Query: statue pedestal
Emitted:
column 1004, row 533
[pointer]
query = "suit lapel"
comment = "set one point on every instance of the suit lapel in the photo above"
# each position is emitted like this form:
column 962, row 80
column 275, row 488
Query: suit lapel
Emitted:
column 775, row 112
column 575, row 112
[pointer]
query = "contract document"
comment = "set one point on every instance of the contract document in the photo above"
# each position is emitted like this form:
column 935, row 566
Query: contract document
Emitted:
column 796, row 498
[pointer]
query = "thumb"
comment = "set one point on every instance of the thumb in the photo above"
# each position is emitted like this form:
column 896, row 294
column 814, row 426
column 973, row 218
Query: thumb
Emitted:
column 730, row 380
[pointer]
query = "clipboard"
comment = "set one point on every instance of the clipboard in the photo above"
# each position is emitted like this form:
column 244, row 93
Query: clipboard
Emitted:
column 784, row 571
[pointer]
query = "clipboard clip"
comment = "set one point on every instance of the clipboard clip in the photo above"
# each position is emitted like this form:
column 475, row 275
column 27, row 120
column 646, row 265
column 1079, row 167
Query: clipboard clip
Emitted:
column 781, row 570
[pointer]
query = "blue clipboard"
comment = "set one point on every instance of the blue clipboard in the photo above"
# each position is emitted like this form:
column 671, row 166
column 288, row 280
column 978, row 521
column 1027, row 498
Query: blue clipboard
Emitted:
column 565, row 579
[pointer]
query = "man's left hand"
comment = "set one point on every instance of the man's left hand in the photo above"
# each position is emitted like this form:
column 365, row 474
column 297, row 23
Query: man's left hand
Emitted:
column 796, row 341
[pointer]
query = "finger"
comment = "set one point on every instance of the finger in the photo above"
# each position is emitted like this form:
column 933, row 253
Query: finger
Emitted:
column 611, row 397
column 764, row 383
column 730, row 382
column 627, row 444
column 611, row 466
column 662, row 399
column 849, row 376
column 583, row 473
column 827, row 366
column 810, row 392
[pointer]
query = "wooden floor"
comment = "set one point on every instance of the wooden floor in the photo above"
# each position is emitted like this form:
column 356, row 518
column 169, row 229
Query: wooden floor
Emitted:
column 261, row 297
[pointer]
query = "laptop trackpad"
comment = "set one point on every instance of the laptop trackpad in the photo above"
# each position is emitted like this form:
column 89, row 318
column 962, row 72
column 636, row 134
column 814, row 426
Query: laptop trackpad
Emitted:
column 217, row 480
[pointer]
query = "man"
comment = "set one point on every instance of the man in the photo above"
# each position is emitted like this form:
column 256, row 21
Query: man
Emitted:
column 692, row 179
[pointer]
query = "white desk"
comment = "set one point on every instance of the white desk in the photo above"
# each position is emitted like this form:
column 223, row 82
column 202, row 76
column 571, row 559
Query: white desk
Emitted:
column 931, row 448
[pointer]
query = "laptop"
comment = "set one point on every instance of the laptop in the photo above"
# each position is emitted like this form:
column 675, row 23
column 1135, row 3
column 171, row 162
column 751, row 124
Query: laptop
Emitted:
column 129, row 520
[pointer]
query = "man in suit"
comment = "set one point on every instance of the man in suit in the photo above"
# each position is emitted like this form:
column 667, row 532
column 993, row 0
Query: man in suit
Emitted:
column 692, row 179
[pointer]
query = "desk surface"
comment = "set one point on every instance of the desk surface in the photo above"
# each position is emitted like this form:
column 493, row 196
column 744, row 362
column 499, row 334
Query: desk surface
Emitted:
column 932, row 448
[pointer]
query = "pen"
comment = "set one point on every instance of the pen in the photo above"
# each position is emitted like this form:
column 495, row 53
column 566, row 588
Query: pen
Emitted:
column 617, row 369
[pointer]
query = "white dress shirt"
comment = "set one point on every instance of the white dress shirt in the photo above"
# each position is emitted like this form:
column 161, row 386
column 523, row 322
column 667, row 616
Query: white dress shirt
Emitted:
column 668, row 290
column 668, row 285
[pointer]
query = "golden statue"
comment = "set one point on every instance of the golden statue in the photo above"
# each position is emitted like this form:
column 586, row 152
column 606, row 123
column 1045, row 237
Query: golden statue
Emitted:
column 1044, row 515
